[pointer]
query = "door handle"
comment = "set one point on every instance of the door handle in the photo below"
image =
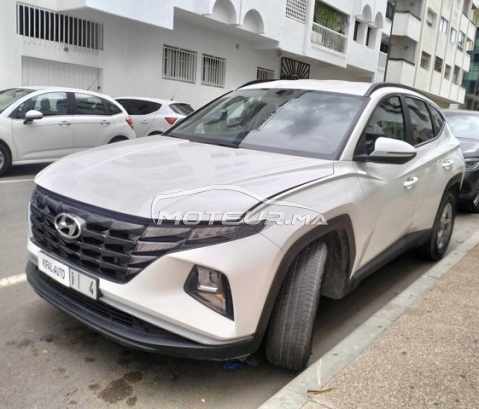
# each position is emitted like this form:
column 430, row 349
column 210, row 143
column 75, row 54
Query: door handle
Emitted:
column 410, row 182
column 145, row 122
column 447, row 164
column 105, row 123
column 65, row 123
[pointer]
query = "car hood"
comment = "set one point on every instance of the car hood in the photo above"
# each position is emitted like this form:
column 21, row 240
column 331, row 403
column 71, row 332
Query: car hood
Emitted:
column 127, row 177
column 469, row 147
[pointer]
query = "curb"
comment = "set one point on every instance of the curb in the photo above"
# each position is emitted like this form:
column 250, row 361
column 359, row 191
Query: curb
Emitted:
column 294, row 395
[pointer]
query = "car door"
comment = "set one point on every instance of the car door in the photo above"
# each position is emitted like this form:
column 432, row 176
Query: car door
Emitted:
column 144, row 115
column 92, row 122
column 389, row 188
column 48, row 138
column 436, row 158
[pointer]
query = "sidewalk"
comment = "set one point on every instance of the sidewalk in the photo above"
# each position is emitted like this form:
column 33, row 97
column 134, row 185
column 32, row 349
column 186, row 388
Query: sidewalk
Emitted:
column 426, row 357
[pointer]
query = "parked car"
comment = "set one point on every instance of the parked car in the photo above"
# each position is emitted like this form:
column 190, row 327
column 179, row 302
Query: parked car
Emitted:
column 153, row 116
column 42, row 124
column 225, row 231
column 465, row 127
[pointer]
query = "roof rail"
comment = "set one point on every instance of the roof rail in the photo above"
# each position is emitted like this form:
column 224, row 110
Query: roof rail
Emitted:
column 379, row 85
column 256, row 82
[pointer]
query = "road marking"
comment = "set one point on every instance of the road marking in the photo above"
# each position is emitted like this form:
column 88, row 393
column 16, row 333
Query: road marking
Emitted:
column 7, row 282
column 16, row 180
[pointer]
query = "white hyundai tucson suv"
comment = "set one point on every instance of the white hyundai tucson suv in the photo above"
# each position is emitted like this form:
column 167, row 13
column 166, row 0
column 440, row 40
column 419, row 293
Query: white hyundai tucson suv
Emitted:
column 220, row 236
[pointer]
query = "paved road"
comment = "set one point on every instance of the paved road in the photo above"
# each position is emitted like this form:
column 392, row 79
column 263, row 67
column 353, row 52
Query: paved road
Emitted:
column 49, row 360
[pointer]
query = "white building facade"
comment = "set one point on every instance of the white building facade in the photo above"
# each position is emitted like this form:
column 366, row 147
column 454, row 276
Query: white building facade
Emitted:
column 429, row 44
column 192, row 50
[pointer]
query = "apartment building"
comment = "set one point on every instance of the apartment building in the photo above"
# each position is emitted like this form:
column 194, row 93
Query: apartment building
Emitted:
column 429, row 46
column 192, row 50
column 470, row 80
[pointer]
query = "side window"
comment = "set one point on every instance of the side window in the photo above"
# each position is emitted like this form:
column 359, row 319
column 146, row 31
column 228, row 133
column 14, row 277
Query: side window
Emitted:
column 89, row 105
column 387, row 121
column 437, row 120
column 114, row 110
column 49, row 104
column 421, row 123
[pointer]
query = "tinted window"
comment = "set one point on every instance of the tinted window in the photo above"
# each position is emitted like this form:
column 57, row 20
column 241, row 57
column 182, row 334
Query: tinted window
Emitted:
column 114, row 109
column 463, row 125
column 49, row 104
column 89, row 105
column 437, row 120
column 182, row 109
column 420, row 120
column 9, row 96
column 294, row 121
column 387, row 121
column 139, row 107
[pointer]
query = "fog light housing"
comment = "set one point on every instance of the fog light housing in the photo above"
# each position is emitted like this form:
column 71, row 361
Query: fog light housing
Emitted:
column 211, row 288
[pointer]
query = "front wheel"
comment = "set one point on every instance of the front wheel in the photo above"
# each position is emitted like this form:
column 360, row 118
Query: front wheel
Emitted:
column 5, row 159
column 441, row 234
column 291, row 326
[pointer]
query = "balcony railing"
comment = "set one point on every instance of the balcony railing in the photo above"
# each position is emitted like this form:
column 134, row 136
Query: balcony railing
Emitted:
column 328, row 38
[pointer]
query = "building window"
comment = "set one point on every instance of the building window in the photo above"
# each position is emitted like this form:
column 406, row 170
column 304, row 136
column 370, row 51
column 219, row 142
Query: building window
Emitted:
column 453, row 36
column 460, row 41
column 47, row 25
column 369, row 36
column 443, row 25
column 431, row 18
column 264, row 74
column 357, row 24
column 447, row 72
column 213, row 71
column 456, row 75
column 438, row 64
column 296, row 9
column 179, row 64
column 425, row 61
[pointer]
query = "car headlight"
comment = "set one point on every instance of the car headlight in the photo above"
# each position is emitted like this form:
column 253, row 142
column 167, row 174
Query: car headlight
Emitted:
column 211, row 288
column 472, row 163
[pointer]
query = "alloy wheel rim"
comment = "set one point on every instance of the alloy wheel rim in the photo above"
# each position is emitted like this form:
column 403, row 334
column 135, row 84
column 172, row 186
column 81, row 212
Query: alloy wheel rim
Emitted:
column 445, row 227
column 2, row 159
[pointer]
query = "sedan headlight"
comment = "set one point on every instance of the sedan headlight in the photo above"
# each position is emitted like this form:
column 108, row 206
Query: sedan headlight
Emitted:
column 472, row 163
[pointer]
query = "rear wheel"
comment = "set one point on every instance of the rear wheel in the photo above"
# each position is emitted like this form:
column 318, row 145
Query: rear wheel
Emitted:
column 292, row 320
column 436, row 246
column 5, row 159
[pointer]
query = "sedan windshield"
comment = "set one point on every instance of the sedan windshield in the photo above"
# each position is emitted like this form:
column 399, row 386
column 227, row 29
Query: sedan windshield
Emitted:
column 293, row 121
column 463, row 125
column 9, row 96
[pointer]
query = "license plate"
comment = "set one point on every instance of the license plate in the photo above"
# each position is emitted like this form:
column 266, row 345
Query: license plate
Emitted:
column 68, row 276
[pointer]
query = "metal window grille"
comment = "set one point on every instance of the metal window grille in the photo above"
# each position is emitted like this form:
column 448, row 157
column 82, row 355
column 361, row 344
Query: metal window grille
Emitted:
column 425, row 60
column 296, row 9
column 264, row 74
column 41, row 24
column 214, row 70
column 447, row 72
column 438, row 64
column 179, row 64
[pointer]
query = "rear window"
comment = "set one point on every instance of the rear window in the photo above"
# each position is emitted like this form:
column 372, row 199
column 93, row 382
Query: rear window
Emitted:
column 114, row 110
column 9, row 96
column 463, row 125
column 181, row 108
column 292, row 121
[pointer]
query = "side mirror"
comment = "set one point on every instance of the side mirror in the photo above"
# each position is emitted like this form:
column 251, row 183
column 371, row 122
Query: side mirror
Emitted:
column 30, row 116
column 387, row 150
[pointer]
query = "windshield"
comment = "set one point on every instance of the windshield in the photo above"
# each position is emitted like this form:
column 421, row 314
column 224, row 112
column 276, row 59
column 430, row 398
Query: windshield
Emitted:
column 9, row 96
column 293, row 121
column 463, row 125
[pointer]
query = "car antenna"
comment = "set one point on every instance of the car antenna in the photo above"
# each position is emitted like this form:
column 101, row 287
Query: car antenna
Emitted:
column 173, row 97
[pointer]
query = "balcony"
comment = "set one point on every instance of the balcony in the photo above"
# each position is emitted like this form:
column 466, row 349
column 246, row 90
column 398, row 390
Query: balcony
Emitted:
column 401, row 71
column 328, row 38
column 406, row 25
column 382, row 61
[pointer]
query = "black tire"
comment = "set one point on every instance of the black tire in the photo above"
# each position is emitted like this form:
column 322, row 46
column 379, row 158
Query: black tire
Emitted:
column 292, row 320
column 472, row 206
column 441, row 234
column 118, row 139
column 5, row 159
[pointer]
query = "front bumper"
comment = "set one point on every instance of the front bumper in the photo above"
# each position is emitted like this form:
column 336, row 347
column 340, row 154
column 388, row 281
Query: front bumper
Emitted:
column 127, row 329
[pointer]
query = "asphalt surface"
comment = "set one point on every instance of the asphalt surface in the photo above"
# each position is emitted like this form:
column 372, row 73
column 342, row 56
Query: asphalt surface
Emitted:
column 49, row 360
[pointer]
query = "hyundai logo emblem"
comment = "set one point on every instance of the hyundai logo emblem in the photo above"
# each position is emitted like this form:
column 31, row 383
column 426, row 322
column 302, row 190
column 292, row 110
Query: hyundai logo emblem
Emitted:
column 68, row 226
